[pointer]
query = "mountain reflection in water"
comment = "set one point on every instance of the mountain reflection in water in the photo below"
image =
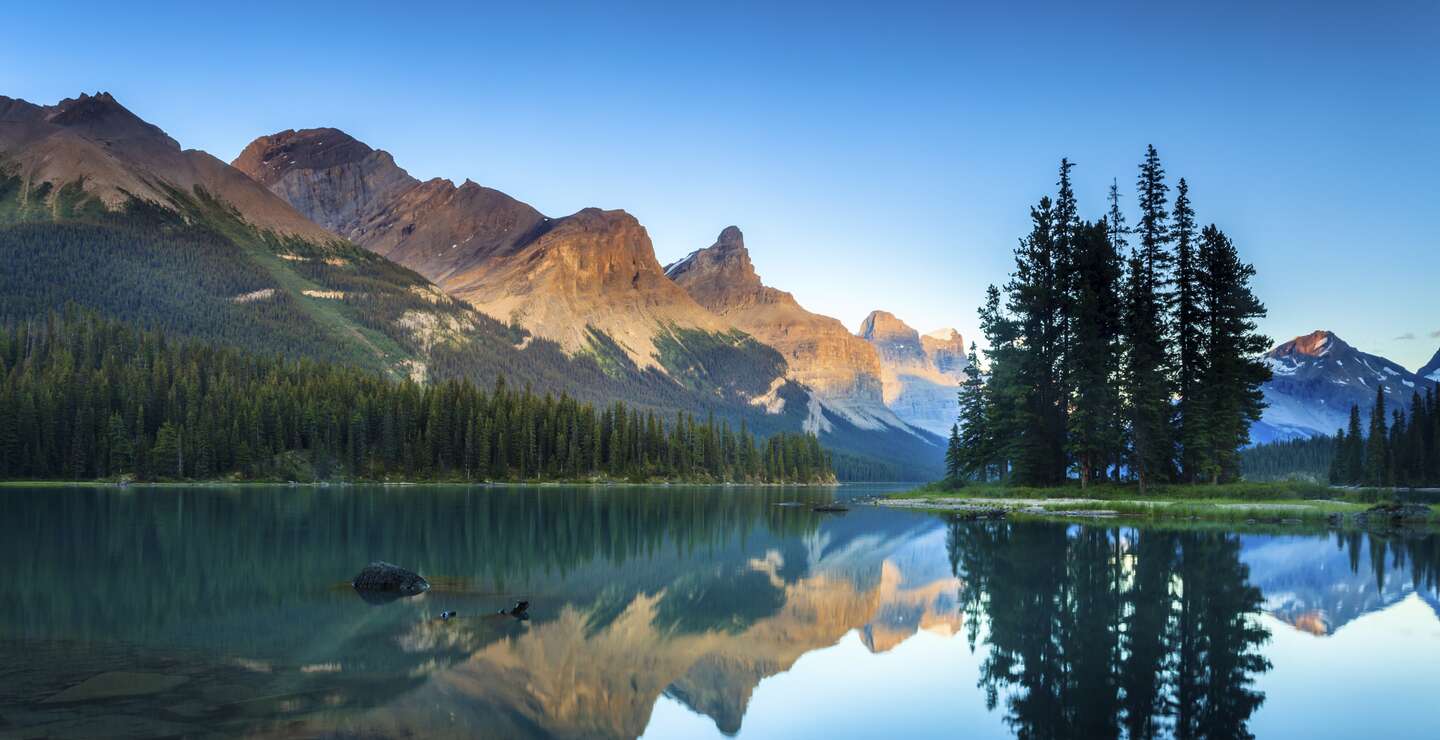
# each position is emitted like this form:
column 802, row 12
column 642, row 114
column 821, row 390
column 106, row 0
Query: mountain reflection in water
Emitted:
column 231, row 608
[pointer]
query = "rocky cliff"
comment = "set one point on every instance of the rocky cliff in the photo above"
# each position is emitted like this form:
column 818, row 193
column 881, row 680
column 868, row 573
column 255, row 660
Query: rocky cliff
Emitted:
column 842, row 369
column 921, row 375
column 561, row 278
column 114, row 156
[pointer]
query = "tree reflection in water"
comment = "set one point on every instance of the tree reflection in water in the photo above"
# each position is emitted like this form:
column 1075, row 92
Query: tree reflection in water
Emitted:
column 1102, row 632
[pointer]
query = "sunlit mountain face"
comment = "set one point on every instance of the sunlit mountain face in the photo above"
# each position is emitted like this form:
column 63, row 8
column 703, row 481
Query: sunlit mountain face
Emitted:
column 672, row 612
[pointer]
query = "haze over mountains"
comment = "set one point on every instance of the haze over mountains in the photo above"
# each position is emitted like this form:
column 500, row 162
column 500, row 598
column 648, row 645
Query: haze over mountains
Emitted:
column 921, row 374
column 577, row 304
column 1318, row 377
column 563, row 278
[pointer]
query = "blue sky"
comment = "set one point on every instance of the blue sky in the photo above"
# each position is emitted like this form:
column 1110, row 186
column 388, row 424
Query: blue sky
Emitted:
column 878, row 155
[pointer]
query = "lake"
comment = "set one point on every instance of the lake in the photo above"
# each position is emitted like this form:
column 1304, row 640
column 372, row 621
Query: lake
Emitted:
column 683, row 612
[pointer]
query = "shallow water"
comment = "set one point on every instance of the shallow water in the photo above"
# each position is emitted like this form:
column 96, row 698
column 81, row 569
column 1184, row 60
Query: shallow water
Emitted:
column 691, row 612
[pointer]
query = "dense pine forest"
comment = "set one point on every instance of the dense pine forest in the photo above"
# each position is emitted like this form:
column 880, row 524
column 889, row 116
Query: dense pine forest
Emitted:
column 1113, row 362
column 1306, row 459
column 83, row 397
column 1395, row 448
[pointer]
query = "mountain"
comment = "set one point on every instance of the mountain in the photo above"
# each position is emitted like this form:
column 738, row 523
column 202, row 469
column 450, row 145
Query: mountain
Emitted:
column 590, row 283
column 843, row 370
column 566, row 279
column 1431, row 370
column 921, row 375
column 104, row 211
column 115, row 157
column 1317, row 378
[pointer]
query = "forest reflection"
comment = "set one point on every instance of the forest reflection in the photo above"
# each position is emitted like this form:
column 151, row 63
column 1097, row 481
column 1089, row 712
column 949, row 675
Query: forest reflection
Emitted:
column 691, row 595
column 1119, row 632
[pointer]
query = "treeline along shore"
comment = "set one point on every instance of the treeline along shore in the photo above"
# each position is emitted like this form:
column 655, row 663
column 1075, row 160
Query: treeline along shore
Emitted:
column 86, row 398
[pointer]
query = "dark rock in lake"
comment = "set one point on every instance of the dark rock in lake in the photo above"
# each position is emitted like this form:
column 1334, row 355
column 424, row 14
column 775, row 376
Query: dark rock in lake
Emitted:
column 390, row 580
column 520, row 611
column 830, row 508
column 1393, row 514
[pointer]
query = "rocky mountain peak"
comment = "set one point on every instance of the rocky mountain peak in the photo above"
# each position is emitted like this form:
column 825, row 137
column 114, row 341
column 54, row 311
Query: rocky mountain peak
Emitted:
column 947, row 335
column 883, row 326
column 268, row 158
column 920, row 375
column 103, row 118
column 731, row 238
column 1318, row 343
column 1317, row 377
column 118, row 157
column 718, row 272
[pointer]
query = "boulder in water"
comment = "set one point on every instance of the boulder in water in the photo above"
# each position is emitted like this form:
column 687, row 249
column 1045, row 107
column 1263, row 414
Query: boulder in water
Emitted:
column 386, row 578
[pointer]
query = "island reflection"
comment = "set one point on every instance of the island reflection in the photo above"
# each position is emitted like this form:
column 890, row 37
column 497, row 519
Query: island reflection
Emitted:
column 696, row 595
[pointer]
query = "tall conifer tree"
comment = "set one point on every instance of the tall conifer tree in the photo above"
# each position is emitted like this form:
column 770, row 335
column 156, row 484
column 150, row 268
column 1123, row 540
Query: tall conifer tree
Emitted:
column 1188, row 336
column 1148, row 376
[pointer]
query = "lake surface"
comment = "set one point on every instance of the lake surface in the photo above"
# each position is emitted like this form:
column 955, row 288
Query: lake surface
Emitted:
column 678, row 612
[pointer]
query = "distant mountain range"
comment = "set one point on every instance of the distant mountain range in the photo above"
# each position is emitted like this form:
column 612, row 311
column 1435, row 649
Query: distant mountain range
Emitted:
column 921, row 375
column 591, row 283
column 1318, row 377
column 103, row 209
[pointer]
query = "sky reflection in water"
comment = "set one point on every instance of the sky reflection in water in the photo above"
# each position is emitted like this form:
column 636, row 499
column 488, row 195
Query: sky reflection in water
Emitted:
column 684, row 612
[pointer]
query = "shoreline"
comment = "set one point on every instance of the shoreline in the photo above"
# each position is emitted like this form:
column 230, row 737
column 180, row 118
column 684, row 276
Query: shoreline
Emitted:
column 1235, row 504
column 398, row 484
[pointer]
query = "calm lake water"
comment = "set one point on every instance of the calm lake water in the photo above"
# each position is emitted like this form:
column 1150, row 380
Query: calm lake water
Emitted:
column 688, row 613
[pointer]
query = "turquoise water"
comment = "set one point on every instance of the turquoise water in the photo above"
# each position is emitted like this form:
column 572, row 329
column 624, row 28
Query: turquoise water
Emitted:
column 674, row 612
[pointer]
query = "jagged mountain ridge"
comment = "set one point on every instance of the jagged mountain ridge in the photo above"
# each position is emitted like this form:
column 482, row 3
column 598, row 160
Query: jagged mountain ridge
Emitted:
column 921, row 375
column 589, row 281
column 844, row 371
column 1317, row 378
column 560, row 278
column 165, row 250
column 116, row 156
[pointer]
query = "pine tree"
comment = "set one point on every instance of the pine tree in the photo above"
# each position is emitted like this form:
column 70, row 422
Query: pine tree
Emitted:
column 165, row 455
column 1093, row 357
column 1354, row 464
column 976, row 447
column 954, row 455
column 120, row 447
column 1189, row 336
column 1377, row 453
column 1336, row 473
column 1147, row 376
column 1035, row 305
column 1228, row 394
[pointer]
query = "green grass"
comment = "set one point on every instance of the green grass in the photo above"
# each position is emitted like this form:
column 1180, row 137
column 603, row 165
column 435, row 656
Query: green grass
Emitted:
column 1242, row 502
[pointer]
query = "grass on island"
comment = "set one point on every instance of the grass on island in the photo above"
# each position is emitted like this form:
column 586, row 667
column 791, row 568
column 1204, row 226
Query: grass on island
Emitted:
column 1230, row 502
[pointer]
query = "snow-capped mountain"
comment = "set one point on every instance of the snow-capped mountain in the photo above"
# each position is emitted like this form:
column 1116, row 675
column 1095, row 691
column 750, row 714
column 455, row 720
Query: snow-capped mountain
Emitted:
column 1317, row 378
column 1431, row 371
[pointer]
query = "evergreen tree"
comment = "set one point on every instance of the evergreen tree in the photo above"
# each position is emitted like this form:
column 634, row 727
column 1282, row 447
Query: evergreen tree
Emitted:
column 1189, row 336
column 1147, row 377
column 1377, row 453
column 954, row 455
column 1036, row 307
column 976, row 447
column 1228, row 398
column 1093, row 357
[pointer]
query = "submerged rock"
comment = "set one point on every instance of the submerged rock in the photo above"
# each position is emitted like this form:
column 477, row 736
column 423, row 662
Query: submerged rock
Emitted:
column 386, row 578
column 1393, row 513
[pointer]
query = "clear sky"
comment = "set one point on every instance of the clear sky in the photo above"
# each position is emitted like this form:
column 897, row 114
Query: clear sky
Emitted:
column 877, row 155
